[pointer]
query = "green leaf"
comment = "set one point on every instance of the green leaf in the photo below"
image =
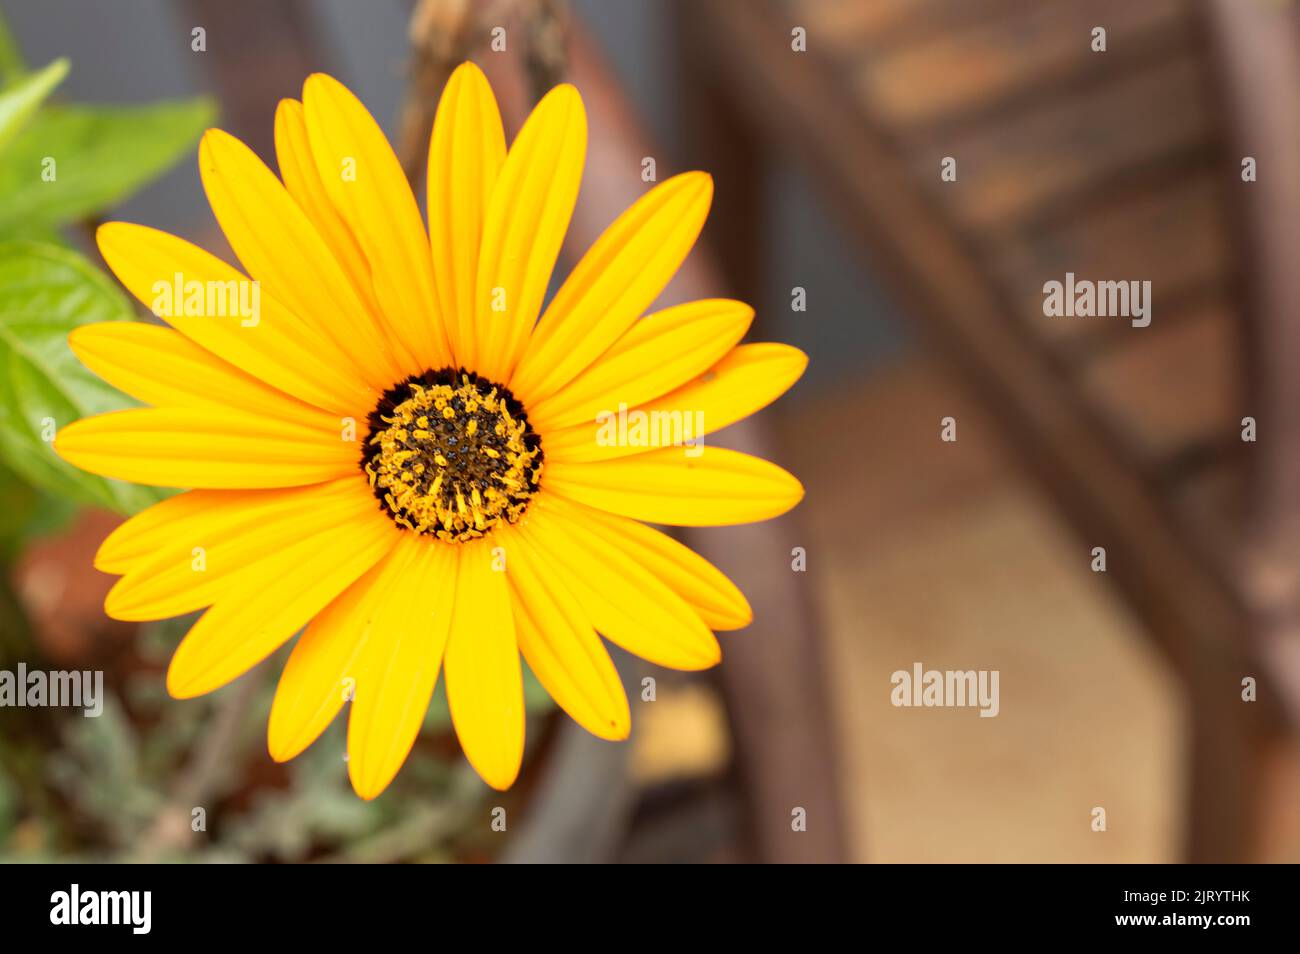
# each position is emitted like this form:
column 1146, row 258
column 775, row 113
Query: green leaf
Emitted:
column 19, row 99
column 26, row 512
column 17, row 500
column 101, row 156
column 45, row 292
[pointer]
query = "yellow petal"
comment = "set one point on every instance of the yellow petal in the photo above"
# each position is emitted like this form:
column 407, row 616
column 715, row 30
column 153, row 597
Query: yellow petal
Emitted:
column 280, row 247
column 702, row 585
column 325, row 664
column 718, row 488
column 206, row 546
column 302, row 179
column 657, row 354
column 366, row 184
column 254, row 618
column 162, row 367
column 613, row 284
column 275, row 345
column 198, row 512
column 526, row 221
column 560, row 646
column 623, row 600
column 485, row 689
column 407, row 636
column 748, row 379
column 466, row 151
column 203, row 447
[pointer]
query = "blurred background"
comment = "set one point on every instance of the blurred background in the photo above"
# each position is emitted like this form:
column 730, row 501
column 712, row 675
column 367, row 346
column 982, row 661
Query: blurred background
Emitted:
column 1159, row 686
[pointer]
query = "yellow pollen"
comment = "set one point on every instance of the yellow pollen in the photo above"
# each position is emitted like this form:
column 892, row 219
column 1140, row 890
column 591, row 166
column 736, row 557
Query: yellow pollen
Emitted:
column 450, row 459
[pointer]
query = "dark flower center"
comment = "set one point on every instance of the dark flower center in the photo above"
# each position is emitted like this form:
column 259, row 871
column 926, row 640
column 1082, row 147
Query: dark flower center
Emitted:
column 452, row 455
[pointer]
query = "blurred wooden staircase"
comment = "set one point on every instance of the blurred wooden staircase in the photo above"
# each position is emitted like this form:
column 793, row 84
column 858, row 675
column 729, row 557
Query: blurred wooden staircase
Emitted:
column 1117, row 165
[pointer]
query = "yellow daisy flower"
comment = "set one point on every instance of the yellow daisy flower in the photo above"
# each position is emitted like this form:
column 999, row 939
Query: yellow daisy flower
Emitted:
column 389, row 447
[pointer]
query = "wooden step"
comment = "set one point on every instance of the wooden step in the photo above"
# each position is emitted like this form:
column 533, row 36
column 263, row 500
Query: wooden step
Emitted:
column 851, row 29
column 1051, row 161
column 1028, row 49
column 1174, row 236
column 1170, row 388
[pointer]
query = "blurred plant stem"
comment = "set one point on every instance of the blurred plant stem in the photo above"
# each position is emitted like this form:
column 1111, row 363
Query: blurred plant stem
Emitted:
column 171, row 832
column 15, row 628
column 421, row 831
column 445, row 33
column 28, row 732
